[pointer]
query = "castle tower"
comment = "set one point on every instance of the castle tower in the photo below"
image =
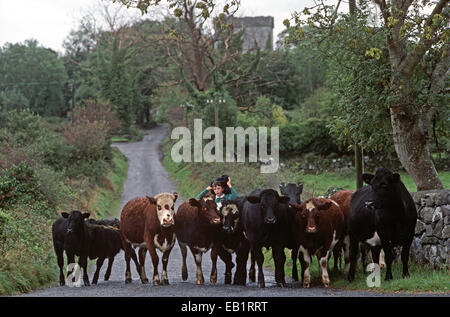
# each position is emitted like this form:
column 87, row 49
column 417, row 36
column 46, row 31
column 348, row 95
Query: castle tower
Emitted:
column 257, row 31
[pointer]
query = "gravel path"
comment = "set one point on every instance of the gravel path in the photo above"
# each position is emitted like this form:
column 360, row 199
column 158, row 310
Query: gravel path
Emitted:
column 146, row 176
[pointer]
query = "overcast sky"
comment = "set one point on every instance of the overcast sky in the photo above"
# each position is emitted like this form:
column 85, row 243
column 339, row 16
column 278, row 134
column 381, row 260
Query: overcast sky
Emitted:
column 50, row 21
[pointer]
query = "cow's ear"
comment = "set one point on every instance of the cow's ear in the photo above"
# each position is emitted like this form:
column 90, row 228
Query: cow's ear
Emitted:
column 194, row 203
column 396, row 177
column 367, row 178
column 300, row 188
column 65, row 215
column 85, row 215
column 283, row 199
column 254, row 199
column 324, row 205
column 282, row 185
column 152, row 200
column 175, row 196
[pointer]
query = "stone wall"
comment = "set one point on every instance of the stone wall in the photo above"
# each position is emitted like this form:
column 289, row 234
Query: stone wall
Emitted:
column 431, row 244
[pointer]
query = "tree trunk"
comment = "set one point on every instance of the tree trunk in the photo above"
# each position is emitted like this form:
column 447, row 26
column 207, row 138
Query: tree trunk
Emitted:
column 412, row 150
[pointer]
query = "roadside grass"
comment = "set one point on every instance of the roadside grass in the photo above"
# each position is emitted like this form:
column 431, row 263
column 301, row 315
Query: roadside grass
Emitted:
column 105, row 201
column 27, row 258
column 192, row 178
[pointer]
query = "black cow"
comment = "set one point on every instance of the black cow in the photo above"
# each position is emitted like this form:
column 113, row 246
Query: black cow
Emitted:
column 233, row 239
column 267, row 223
column 382, row 215
column 71, row 233
column 294, row 192
column 105, row 244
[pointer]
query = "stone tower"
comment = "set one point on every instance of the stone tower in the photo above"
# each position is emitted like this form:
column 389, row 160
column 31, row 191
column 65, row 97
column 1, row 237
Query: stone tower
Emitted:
column 257, row 31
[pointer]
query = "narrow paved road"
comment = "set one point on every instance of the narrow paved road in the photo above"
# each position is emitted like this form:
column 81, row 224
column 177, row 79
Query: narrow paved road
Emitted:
column 146, row 176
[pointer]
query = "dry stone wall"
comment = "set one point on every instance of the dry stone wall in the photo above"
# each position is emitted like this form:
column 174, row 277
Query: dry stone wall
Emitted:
column 431, row 244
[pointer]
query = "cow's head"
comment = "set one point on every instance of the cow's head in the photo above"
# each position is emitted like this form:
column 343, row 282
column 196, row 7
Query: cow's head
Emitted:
column 230, row 215
column 384, row 185
column 269, row 202
column 75, row 221
column 310, row 212
column 207, row 210
column 292, row 191
column 165, row 207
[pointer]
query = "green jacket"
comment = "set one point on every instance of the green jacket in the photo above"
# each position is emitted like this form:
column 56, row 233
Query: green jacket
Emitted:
column 230, row 196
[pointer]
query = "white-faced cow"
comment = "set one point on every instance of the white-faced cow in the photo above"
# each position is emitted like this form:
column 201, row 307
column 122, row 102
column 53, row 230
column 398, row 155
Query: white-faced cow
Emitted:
column 267, row 223
column 317, row 228
column 148, row 223
column 198, row 226
column 382, row 215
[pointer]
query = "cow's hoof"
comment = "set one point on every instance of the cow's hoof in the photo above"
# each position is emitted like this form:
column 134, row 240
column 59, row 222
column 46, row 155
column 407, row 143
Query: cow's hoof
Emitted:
column 261, row 284
column 86, row 283
column 94, row 282
column 326, row 284
column 213, row 279
column 156, row 282
column 128, row 281
column 184, row 274
column 144, row 281
column 165, row 282
column 305, row 284
column 200, row 282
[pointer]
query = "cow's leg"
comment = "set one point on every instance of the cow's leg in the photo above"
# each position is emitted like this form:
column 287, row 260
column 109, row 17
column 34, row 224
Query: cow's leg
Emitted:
column 252, row 271
column 97, row 271
column 108, row 270
column 155, row 261
column 70, row 260
column 305, row 261
column 128, row 255
column 354, row 248
column 279, row 258
column 184, row 272
column 323, row 264
column 198, row 262
column 213, row 276
column 346, row 248
column 83, row 263
column 60, row 258
column 294, row 254
column 241, row 264
column 337, row 255
column 259, row 258
column 388, row 251
column 382, row 259
column 165, row 261
column 142, row 252
column 227, row 259
column 405, row 257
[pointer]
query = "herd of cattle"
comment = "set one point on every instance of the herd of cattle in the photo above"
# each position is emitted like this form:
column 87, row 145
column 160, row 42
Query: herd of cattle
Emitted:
column 379, row 217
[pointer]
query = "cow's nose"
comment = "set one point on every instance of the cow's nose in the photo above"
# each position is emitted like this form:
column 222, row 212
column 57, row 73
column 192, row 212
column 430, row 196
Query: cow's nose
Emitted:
column 227, row 229
column 271, row 220
column 311, row 229
column 216, row 220
column 69, row 230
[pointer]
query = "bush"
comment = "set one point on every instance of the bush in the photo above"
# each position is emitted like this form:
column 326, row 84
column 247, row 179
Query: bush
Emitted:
column 311, row 135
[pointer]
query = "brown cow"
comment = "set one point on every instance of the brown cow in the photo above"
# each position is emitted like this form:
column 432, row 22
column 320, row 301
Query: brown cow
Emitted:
column 148, row 222
column 317, row 228
column 343, row 198
column 198, row 226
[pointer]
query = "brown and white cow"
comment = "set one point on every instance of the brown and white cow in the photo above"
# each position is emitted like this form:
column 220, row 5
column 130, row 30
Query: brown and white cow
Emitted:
column 317, row 228
column 148, row 223
column 198, row 226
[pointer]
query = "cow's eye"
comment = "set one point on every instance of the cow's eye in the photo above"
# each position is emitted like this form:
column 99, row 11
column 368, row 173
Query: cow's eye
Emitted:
column 159, row 207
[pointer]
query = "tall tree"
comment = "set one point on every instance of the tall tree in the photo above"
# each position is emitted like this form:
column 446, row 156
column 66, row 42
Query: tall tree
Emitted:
column 414, row 47
column 37, row 73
